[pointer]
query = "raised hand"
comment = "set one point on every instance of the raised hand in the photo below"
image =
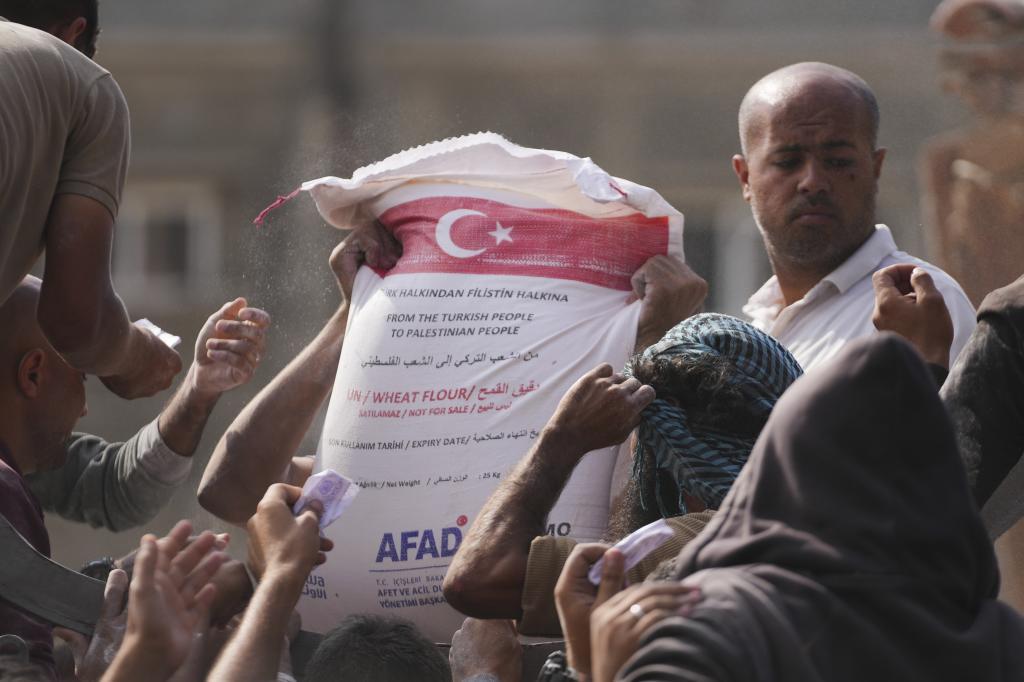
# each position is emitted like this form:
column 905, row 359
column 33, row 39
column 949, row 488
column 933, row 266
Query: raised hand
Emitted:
column 599, row 410
column 229, row 347
column 371, row 244
column 169, row 597
column 907, row 302
column 670, row 291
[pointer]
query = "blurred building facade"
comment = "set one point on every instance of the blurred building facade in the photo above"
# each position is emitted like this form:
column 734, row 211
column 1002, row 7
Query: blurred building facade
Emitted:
column 236, row 102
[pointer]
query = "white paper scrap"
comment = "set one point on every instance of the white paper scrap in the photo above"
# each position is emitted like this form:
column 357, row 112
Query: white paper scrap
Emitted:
column 636, row 546
column 170, row 339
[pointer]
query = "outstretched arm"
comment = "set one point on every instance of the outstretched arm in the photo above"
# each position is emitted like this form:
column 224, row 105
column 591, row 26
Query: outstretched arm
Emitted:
column 257, row 449
column 121, row 485
column 283, row 549
column 485, row 579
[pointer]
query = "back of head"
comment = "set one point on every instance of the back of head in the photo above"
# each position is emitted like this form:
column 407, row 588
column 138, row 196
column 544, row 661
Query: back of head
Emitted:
column 717, row 379
column 18, row 320
column 372, row 648
column 53, row 16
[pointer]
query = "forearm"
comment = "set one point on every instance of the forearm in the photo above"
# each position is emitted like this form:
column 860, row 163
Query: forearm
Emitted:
column 258, row 446
column 486, row 578
column 183, row 420
column 102, row 344
column 254, row 652
column 113, row 485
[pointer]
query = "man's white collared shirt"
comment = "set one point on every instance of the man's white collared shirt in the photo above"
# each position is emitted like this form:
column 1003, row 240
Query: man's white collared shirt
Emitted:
column 838, row 308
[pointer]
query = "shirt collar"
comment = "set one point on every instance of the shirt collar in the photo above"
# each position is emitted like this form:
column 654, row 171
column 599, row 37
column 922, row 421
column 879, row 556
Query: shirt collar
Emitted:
column 767, row 303
column 864, row 260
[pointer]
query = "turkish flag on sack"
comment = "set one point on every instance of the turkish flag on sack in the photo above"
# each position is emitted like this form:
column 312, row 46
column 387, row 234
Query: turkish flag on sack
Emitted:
column 514, row 281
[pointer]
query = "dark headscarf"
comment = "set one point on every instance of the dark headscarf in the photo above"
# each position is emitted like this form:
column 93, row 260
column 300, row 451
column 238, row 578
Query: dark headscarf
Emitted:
column 704, row 460
column 848, row 549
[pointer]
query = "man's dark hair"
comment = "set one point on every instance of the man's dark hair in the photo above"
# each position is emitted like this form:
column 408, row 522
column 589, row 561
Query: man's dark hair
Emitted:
column 701, row 387
column 54, row 15
column 372, row 648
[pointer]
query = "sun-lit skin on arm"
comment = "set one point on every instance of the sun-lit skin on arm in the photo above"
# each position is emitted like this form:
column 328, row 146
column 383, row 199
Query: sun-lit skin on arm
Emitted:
column 485, row 579
column 258, row 447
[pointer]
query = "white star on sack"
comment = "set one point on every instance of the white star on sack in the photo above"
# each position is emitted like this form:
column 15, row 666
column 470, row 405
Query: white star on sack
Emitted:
column 443, row 233
column 501, row 233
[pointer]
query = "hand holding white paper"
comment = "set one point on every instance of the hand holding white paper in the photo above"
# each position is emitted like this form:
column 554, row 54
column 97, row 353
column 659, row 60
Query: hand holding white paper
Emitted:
column 333, row 491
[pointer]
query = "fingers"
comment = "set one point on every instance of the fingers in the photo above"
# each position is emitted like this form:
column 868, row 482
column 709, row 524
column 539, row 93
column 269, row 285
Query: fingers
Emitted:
column 282, row 493
column 256, row 316
column 613, row 573
column 230, row 309
column 583, row 555
column 145, row 565
column 574, row 572
column 315, row 509
column 923, row 285
column 655, row 601
column 666, row 608
column 186, row 560
column 643, row 396
column 114, row 594
column 639, row 282
column 242, row 363
column 199, row 578
column 237, row 329
column 203, row 602
column 390, row 249
column 171, row 544
column 894, row 277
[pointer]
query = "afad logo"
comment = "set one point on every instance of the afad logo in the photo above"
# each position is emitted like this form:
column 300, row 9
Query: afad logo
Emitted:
column 414, row 545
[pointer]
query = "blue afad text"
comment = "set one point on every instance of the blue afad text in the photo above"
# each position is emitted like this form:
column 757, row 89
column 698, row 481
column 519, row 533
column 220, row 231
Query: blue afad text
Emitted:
column 414, row 545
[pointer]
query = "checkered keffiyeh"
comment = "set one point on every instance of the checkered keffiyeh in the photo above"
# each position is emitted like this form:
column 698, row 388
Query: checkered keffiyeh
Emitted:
column 704, row 463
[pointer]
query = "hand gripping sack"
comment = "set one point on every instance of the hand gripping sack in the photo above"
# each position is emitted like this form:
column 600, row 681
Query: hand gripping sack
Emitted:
column 514, row 282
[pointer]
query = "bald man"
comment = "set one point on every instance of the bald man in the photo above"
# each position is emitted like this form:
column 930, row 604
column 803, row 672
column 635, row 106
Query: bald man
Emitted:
column 809, row 169
column 41, row 398
column 80, row 476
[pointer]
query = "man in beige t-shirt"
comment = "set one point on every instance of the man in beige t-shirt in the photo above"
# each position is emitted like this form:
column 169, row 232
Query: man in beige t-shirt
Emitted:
column 64, row 143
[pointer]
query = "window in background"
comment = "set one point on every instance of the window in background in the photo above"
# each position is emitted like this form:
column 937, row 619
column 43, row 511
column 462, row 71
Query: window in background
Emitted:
column 167, row 248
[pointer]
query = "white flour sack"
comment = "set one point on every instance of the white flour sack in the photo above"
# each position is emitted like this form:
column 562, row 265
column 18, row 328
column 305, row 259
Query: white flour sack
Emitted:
column 513, row 283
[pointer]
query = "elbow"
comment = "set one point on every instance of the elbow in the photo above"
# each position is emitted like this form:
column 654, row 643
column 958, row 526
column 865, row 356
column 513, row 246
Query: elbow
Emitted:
column 477, row 594
column 461, row 591
column 213, row 499
column 73, row 333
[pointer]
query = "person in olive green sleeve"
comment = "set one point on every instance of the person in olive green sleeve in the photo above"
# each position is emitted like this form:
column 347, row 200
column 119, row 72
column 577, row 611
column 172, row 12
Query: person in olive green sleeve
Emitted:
column 122, row 485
